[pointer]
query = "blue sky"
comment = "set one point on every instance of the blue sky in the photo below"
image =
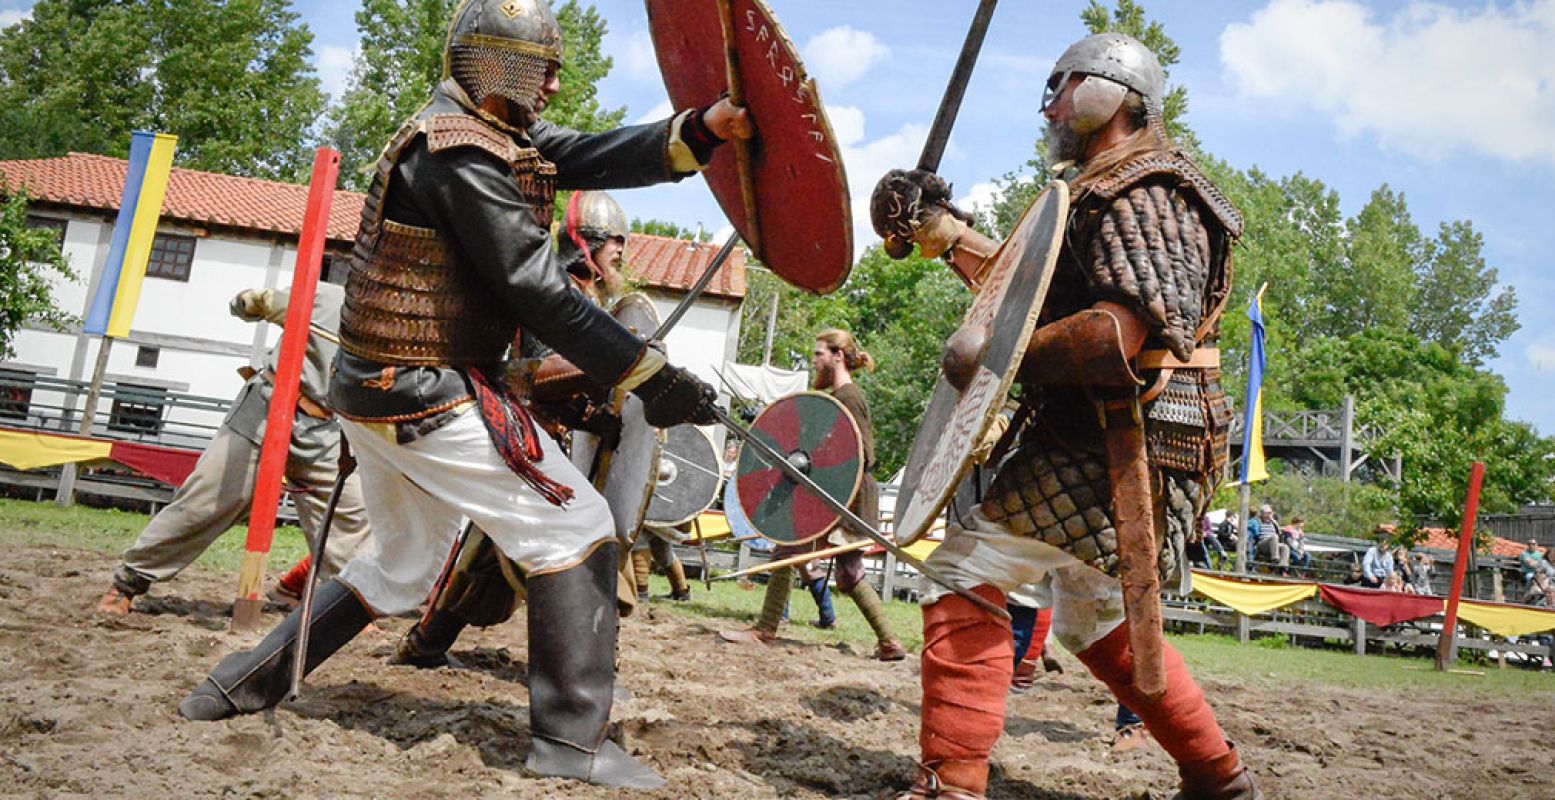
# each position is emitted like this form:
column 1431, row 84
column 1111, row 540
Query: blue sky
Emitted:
column 1451, row 103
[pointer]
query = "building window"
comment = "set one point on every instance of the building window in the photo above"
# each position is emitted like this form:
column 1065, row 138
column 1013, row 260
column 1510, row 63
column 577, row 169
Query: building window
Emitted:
column 137, row 409
column 15, row 394
column 335, row 267
column 146, row 356
column 171, row 257
column 58, row 226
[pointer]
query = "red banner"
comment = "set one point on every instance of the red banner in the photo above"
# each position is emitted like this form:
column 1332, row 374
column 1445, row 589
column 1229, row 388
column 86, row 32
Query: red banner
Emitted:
column 167, row 464
column 1378, row 607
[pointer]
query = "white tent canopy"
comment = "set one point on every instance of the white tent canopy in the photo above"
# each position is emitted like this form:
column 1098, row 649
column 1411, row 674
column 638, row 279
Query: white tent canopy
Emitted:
column 762, row 385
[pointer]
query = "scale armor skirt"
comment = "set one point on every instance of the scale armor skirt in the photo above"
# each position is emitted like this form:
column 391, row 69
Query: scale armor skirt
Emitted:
column 1060, row 493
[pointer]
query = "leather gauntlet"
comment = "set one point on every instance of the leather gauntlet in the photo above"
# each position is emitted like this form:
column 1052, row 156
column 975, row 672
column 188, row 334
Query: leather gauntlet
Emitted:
column 673, row 396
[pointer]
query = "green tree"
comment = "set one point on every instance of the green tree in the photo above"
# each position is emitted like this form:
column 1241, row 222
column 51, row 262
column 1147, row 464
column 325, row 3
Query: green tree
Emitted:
column 669, row 230
column 30, row 265
column 1456, row 303
column 229, row 77
column 401, row 59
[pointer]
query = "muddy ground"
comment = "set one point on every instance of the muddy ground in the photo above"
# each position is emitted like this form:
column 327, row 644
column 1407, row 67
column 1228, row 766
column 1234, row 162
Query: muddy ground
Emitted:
column 87, row 710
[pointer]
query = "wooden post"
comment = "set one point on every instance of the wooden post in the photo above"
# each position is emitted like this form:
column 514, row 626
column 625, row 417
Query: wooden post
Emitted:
column 1347, row 439
column 888, row 579
column 65, row 495
column 1244, row 628
column 1447, row 643
column 1244, row 493
column 1359, row 627
column 766, row 349
column 286, row 389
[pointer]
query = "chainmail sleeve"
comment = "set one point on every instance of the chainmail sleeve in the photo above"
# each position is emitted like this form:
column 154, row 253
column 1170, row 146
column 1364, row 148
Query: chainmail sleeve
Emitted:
column 1151, row 251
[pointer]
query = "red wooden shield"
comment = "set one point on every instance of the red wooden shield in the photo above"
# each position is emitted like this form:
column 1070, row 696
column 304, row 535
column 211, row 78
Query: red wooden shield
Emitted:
column 801, row 193
column 1007, row 306
column 820, row 437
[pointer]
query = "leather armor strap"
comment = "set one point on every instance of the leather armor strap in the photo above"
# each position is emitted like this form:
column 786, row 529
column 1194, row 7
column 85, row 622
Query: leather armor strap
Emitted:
column 1128, row 467
column 1202, row 358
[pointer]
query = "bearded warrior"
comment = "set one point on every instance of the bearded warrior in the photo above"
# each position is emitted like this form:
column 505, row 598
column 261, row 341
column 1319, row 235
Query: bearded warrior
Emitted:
column 454, row 254
column 1127, row 337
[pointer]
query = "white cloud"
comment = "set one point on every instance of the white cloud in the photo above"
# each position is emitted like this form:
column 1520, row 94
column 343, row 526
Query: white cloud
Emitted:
column 1430, row 81
column 11, row 16
column 847, row 124
column 865, row 164
column 981, row 197
column 658, row 112
column 841, row 55
column 1541, row 355
column 638, row 59
column 334, row 65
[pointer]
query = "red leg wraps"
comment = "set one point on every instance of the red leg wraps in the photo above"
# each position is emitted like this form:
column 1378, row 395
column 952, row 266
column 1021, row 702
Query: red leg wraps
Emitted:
column 1039, row 632
column 1180, row 719
column 967, row 661
column 297, row 578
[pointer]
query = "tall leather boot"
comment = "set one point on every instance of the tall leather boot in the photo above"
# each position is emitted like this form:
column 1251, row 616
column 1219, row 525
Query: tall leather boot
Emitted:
column 254, row 680
column 1180, row 720
column 572, row 641
column 427, row 643
column 967, row 660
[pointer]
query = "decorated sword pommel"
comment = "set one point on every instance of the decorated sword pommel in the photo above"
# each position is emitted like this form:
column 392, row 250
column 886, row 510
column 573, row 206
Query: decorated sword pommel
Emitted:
column 963, row 355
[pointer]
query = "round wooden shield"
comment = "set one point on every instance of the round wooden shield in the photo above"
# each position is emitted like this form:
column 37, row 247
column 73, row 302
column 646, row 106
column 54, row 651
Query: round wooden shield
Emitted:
column 625, row 475
column 820, row 437
column 804, row 229
column 956, row 421
column 688, row 479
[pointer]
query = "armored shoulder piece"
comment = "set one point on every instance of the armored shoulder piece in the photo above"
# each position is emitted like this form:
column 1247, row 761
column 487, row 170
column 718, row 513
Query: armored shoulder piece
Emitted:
column 1155, row 234
column 448, row 131
column 1171, row 167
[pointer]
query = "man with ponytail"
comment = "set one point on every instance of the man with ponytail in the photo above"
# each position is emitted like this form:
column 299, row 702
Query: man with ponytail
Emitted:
column 835, row 359
column 1122, row 400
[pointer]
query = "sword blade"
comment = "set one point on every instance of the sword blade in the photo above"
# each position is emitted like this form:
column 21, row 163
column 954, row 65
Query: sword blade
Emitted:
column 950, row 103
column 776, row 459
column 697, row 288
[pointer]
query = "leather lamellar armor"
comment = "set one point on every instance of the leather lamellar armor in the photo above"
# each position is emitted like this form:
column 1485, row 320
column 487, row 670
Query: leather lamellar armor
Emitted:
column 1155, row 235
column 409, row 299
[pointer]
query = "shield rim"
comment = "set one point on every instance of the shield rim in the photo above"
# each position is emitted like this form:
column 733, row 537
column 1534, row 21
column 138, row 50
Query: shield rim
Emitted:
column 909, row 490
column 858, row 479
column 712, row 447
column 620, row 402
column 806, row 81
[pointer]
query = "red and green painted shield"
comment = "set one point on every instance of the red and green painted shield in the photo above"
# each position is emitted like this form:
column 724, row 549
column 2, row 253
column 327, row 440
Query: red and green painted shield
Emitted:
column 820, row 437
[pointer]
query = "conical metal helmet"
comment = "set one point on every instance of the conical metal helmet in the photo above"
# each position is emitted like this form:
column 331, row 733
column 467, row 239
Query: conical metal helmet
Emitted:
column 1118, row 58
column 502, row 48
column 598, row 217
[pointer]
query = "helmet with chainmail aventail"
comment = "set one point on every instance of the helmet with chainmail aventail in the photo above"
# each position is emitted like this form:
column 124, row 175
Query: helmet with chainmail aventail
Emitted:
column 502, row 48
column 595, row 217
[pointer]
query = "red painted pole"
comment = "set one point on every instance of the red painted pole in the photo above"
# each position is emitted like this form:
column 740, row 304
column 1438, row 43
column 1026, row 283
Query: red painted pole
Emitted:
column 1447, row 643
column 287, row 387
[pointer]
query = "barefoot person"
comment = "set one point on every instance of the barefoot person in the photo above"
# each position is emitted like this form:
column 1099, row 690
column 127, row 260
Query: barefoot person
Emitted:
column 455, row 254
column 1146, row 253
column 835, row 358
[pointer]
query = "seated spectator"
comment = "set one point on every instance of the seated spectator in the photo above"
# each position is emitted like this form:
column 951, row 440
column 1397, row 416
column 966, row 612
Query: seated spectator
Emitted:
column 1197, row 550
column 1393, row 583
column 1530, row 559
column 1226, row 533
column 1263, row 535
column 1355, row 577
column 1541, row 584
column 1420, row 576
column 1403, row 563
column 1294, row 537
column 1378, row 563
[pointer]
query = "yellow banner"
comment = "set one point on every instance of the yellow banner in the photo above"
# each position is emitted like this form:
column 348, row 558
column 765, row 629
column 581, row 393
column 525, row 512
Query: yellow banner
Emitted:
column 714, row 526
column 1252, row 598
column 31, row 450
column 148, row 212
column 921, row 548
column 1507, row 621
column 1257, row 469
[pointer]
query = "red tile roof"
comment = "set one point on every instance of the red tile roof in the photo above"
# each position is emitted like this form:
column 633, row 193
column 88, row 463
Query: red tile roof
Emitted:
column 675, row 264
column 201, row 198
column 252, row 205
column 1441, row 539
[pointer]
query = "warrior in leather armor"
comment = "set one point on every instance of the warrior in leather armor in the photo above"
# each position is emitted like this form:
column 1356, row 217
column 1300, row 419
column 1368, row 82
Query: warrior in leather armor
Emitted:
column 1126, row 341
column 453, row 256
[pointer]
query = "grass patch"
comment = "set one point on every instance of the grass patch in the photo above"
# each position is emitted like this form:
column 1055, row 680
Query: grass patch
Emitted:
column 110, row 531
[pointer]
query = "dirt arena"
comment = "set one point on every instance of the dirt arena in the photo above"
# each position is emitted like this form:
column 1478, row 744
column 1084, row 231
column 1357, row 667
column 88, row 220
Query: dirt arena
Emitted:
column 87, row 710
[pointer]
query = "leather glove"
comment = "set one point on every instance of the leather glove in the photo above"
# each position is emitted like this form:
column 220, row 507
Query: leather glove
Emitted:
column 248, row 305
column 673, row 396
column 911, row 207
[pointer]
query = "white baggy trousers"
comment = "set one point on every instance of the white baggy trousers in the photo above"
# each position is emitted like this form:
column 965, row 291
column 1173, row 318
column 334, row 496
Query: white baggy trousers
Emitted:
column 419, row 492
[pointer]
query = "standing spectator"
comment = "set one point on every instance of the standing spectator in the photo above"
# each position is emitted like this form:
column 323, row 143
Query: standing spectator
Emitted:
column 1420, row 576
column 1294, row 536
column 1378, row 563
column 1264, row 537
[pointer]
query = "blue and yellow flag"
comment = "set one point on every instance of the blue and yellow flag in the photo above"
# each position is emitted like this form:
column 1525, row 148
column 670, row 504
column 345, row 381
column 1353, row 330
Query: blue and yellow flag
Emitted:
column 145, row 185
column 1252, row 425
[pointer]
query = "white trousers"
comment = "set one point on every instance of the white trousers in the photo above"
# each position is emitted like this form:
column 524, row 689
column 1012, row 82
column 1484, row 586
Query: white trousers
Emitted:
column 1087, row 603
column 418, row 494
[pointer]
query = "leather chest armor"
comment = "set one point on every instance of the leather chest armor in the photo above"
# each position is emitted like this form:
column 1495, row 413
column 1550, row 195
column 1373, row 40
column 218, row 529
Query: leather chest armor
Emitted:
column 409, row 299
